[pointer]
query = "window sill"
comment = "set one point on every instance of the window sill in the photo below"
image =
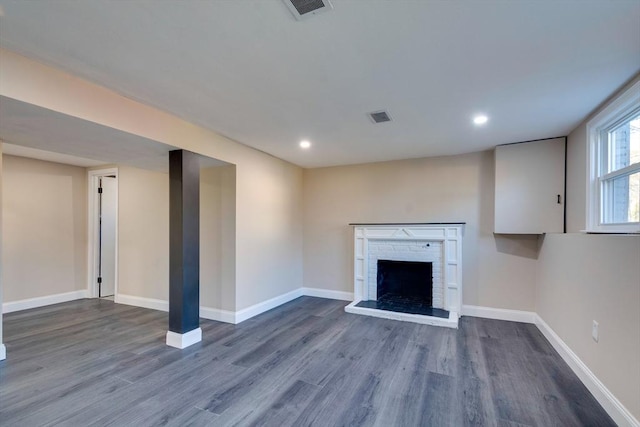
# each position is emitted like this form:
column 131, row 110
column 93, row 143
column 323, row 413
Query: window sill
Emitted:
column 613, row 233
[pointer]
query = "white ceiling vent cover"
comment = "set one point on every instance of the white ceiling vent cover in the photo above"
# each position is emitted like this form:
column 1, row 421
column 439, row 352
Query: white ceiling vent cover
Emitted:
column 302, row 9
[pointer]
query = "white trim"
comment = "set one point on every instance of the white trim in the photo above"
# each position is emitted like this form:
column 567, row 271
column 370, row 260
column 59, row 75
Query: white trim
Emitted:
column 3, row 352
column 92, row 231
column 328, row 294
column 609, row 402
column 214, row 313
column 499, row 313
column 618, row 108
column 25, row 304
column 218, row 315
column 185, row 340
column 152, row 303
column 451, row 322
column 261, row 307
column 162, row 305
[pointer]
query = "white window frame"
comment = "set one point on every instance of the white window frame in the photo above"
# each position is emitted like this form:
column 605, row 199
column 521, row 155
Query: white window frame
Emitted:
column 613, row 114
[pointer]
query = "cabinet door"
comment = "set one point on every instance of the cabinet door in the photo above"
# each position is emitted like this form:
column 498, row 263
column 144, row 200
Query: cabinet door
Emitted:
column 529, row 187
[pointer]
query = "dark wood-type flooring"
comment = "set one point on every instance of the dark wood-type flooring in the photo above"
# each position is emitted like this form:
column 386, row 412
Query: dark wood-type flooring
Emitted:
column 93, row 362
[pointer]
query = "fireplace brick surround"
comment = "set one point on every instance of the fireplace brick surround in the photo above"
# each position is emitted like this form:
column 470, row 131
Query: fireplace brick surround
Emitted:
column 438, row 243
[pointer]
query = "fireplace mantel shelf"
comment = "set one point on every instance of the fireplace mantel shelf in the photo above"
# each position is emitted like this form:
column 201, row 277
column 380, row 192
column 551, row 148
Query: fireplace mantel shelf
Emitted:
column 373, row 224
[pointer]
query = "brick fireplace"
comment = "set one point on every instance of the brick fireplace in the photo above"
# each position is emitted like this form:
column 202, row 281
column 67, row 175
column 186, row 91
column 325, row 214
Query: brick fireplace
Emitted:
column 438, row 244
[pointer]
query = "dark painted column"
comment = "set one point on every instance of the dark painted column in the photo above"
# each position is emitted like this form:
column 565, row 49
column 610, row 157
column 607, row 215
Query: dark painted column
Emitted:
column 184, row 241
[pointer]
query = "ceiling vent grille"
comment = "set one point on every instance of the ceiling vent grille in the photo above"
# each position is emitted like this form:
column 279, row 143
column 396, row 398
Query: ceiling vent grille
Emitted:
column 380, row 116
column 302, row 9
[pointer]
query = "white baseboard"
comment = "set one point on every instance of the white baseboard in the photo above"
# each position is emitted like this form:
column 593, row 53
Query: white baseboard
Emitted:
column 185, row 340
column 162, row 305
column 25, row 304
column 152, row 303
column 326, row 293
column 241, row 315
column 217, row 314
column 499, row 313
column 3, row 352
column 609, row 402
column 261, row 307
column 213, row 313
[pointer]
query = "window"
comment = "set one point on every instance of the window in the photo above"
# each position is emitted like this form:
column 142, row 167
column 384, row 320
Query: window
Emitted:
column 613, row 198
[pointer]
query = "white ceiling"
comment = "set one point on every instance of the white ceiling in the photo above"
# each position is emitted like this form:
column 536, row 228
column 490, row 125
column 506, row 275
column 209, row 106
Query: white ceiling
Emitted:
column 249, row 70
column 49, row 156
column 31, row 131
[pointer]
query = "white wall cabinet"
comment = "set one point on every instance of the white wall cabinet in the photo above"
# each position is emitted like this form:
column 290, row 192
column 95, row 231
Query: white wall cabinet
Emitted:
column 529, row 185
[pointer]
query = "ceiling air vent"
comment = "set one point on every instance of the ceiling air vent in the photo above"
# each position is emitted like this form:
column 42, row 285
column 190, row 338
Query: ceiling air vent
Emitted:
column 380, row 116
column 302, row 9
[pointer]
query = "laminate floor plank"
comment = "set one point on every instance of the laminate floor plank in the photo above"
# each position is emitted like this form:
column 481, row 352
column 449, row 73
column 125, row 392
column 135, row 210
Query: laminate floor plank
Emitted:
column 193, row 417
column 273, row 370
column 372, row 392
column 167, row 404
column 438, row 405
column 305, row 363
column 42, row 381
column 286, row 407
column 173, row 376
column 571, row 392
column 40, row 411
column 404, row 391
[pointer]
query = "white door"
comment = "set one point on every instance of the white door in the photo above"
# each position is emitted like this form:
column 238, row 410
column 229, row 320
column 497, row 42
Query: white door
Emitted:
column 107, row 236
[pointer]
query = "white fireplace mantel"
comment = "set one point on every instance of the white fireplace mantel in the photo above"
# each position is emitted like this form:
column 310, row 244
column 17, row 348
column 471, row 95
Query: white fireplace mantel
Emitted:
column 440, row 243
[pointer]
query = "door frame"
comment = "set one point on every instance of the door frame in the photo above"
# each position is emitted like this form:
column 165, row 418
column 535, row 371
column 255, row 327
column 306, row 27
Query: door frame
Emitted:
column 92, row 221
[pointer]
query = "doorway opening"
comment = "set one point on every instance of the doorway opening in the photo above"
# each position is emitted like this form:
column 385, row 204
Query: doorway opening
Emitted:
column 103, row 233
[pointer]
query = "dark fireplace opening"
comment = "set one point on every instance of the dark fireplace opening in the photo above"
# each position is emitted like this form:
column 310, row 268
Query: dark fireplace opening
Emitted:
column 405, row 287
column 409, row 281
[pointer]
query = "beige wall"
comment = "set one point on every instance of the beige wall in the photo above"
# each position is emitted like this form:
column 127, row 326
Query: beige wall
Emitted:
column 269, row 229
column 44, row 228
column 218, row 237
column 143, row 233
column 586, row 277
column 576, row 196
column 498, row 271
column 268, row 190
column 582, row 278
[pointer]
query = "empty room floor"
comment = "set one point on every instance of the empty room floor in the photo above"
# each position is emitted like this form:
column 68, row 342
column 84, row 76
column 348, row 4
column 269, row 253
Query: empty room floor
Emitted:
column 93, row 362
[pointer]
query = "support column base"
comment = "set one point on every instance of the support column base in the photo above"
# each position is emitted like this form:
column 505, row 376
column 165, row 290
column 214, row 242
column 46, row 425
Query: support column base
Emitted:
column 181, row 341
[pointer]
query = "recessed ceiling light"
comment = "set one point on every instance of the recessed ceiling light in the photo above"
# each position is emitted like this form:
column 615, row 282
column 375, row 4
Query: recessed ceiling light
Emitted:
column 305, row 144
column 480, row 119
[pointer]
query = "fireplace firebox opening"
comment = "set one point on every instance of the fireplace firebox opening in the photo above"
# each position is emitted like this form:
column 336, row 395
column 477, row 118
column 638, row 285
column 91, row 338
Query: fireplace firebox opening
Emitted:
column 408, row 281
column 405, row 287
